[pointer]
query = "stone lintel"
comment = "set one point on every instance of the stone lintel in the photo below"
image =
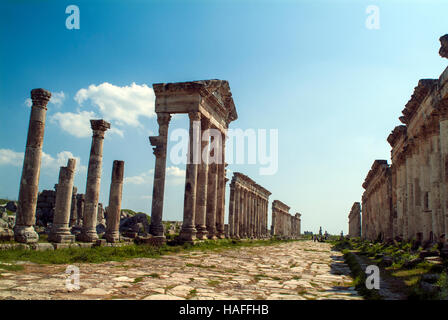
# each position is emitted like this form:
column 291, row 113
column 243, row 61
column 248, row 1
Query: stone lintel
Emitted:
column 422, row 89
column 376, row 166
column 396, row 134
column 277, row 204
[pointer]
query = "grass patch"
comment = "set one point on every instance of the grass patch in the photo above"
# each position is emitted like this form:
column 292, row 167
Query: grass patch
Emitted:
column 103, row 254
column 402, row 261
column 193, row 293
column 213, row 283
column 359, row 277
column 11, row 267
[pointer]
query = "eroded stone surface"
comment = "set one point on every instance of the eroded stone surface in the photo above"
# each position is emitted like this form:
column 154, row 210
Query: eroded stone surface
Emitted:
column 295, row 270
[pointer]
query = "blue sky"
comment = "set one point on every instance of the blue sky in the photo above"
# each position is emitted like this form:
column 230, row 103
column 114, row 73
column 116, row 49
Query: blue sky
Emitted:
column 311, row 69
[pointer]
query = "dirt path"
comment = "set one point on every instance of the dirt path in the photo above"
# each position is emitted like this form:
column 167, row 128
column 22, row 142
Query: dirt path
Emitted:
column 294, row 270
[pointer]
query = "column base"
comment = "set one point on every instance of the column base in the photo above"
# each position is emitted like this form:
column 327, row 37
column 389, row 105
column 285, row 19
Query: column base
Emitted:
column 201, row 233
column 187, row 235
column 88, row 236
column 25, row 234
column 61, row 238
column 112, row 237
column 156, row 230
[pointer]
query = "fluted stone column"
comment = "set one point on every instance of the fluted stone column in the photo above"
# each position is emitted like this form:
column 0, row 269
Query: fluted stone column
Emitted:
column 29, row 183
column 160, row 144
column 74, row 208
column 114, row 208
column 60, row 231
column 88, row 233
column 188, row 230
column 201, row 196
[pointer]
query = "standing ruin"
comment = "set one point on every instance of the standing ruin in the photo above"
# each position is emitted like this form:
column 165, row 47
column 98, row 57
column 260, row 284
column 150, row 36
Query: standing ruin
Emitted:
column 29, row 183
column 208, row 103
column 248, row 208
column 114, row 208
column 354, row 221
column 60, row 231
column 88, row 233
column 409, row 199
column 283, row 224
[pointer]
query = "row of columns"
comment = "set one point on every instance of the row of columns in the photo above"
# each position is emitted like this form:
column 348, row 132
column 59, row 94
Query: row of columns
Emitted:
column 66, row 201
column 205, row 181
column 248, row 208
column 284, row 225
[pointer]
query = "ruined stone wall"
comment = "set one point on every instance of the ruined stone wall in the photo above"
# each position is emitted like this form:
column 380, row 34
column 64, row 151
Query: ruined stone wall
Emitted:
column 377, row 215
column 416, row 183
column 284, row 225
column 354, row 224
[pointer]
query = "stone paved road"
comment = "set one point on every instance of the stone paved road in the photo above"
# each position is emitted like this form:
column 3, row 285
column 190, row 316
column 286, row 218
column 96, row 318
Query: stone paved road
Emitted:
column 295, row 270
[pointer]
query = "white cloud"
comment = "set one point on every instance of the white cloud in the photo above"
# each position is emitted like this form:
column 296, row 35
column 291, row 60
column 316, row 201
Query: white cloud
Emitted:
column 57, row 98
column 174, row 175
column 53, row 164
column 49, row 164
column 77, row 124
column 28, row 102
column 120, row 105
column 10, row 157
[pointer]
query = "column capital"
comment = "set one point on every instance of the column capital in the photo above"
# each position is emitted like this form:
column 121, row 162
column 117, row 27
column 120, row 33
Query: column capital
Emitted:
column 40, row 97
column 194, row 115
column 99, row 125
column 163, row 118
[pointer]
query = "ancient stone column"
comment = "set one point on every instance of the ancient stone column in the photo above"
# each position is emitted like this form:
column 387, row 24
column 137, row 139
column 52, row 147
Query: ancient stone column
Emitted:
column 29, row 183
column 435, row 187
column 74, row 208
column 160, row 144
column 188, row 230
column 88, row 233
column 246, row 214
column 221, row 190
column 232, row 207
column 444, row 182
column 257, row 217
column 114, row 208
column 249, row 214
column 60, row 231
column 237, row 212
column 201, row 195
column 410, row 199
column 212, row 190
column 80, row 208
